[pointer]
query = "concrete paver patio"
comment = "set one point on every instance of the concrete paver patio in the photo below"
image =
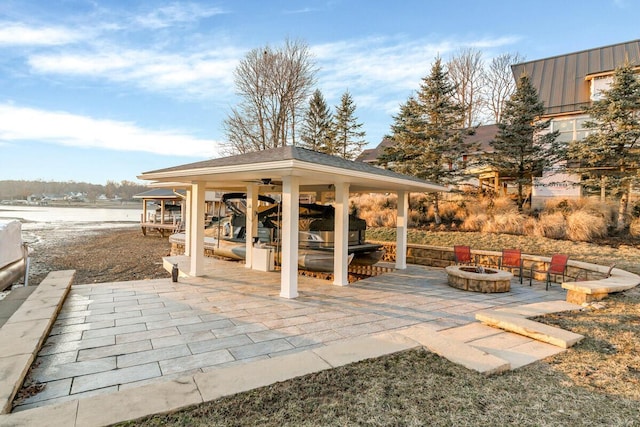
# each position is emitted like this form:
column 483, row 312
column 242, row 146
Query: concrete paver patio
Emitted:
column 115, row 336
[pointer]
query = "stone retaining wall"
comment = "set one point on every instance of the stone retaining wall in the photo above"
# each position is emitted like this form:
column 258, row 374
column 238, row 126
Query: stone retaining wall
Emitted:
column 442, row 256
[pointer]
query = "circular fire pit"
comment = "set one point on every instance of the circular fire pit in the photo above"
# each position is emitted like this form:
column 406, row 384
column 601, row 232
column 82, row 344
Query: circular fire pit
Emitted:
column 478, row 279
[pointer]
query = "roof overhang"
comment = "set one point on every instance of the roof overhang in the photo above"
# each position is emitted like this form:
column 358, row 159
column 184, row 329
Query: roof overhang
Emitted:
column 312, row 177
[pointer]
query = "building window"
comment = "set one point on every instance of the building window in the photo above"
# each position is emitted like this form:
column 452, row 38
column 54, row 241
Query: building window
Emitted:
column 571, row 129
column 598, row 85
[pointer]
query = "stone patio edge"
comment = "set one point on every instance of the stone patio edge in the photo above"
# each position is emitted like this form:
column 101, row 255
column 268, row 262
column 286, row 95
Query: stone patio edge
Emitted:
column 28, row 326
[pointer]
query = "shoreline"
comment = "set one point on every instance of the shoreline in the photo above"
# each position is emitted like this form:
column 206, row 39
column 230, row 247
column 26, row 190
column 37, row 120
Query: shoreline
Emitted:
column 98, row 252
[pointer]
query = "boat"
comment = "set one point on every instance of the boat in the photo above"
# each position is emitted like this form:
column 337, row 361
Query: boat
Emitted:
column 14, row 254
column 227, row 236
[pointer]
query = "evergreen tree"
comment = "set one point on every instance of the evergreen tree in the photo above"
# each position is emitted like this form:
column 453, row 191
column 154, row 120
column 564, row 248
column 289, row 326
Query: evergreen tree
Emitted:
column 522, row 150
column 609, row 154
column 317, row 129
column 428, row 134
column 349, row 140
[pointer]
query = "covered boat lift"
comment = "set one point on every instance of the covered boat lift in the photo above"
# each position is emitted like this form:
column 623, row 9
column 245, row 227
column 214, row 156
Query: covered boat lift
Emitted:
column 289, row 170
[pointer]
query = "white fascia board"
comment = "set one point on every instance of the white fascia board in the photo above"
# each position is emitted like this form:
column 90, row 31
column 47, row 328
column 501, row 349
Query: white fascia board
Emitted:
column 335, row 171
column 217, row 170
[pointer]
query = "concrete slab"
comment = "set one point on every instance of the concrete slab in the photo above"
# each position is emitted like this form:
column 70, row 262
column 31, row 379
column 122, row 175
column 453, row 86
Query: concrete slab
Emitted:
column 61, row 415
column 357, row 349
column 24, row 337
column 12, row 372
column 541, row 308
column 520, row 325
column 457, row 352
column 227, row 381
column 137, row 402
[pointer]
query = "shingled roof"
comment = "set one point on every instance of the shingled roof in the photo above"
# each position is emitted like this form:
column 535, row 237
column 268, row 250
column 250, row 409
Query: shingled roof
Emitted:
column 277, row 162
column 561, row 80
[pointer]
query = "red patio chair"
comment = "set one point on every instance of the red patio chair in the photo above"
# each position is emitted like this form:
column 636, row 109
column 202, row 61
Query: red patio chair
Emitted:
column 462, row 255
column 558, row 265
column 511, row 258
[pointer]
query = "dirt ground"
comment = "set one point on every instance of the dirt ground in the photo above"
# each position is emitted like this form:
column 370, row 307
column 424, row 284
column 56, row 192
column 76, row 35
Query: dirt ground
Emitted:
column 100, row 256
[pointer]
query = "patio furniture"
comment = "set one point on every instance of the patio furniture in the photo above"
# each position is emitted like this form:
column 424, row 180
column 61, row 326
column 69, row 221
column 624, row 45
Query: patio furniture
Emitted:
column 462, row 255
column 558, row 265
column 583, row 275
column 511, row 258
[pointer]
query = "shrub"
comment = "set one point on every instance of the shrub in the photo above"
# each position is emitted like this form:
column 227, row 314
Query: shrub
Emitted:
column 509, row 222
column 474, row 222
column 634, row 227
column 551, row 225
column 584, row 226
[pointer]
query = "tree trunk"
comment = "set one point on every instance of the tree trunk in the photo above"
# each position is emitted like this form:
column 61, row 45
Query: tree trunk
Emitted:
column 520, row 198
column 436, row 209
column 603, row 189
column 623, row 207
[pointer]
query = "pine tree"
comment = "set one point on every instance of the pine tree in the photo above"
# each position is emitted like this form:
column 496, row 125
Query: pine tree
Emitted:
column 609, row 154
column 348, row 136
column 428, row 134
column 317, row 129
column 522, row 150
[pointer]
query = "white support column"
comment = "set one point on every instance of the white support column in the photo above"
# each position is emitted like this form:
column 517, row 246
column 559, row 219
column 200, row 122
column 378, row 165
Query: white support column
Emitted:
column 251, row 225
column 341, row 235
column 197, row 229
column 401, row 230
column 290, row 213
column 187, row 222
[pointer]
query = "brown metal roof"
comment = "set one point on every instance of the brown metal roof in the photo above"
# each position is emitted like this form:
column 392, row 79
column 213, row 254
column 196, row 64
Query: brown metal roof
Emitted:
column 561, row 80
column 480, row 138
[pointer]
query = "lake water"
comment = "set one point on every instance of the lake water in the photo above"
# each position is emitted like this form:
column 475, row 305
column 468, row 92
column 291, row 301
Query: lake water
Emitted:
column 37, row 216
column 47, row 225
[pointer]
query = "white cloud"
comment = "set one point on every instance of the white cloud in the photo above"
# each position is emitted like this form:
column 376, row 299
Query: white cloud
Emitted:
column 198, row 74
column 19, row 34
column 28, row 124
column 176, row 13
column 382, row 69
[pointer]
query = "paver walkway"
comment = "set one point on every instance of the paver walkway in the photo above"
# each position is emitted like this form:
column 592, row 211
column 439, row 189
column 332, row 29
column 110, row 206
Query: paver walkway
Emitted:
column 114, row 336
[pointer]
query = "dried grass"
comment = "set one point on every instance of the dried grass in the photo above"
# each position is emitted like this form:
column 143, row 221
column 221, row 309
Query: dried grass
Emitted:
column 474, row 222
column 552, row 225
column 584, row 226
column 509, row 222
column 634, row 227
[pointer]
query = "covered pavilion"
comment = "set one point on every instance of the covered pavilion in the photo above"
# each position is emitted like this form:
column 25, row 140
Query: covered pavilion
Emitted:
column 291, row 170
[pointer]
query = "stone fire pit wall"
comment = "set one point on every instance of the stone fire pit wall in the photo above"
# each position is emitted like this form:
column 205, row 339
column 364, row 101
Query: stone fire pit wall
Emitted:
column 487, row 281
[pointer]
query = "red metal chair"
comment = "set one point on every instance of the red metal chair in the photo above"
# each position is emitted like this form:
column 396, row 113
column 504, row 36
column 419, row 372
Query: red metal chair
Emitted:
column 462, row 255
column 511, row 258
column 557, row 266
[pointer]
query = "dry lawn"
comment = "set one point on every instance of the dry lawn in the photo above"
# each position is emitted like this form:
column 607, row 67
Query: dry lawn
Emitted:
column 595, row 383
column 626, row 257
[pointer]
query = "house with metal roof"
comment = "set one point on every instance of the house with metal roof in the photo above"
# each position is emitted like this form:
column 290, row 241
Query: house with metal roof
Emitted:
column 566, row 84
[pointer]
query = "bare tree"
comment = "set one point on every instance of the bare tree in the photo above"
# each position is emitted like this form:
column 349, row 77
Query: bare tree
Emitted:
column 500, row 83
column 466, row 71
column 273, row 85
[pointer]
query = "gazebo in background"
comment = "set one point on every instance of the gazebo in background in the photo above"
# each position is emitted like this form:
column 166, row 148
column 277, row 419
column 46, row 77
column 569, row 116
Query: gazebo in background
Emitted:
column 162, row 210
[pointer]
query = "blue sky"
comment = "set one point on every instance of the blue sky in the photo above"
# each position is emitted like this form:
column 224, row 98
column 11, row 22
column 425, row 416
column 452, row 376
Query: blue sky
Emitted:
column 94, row 90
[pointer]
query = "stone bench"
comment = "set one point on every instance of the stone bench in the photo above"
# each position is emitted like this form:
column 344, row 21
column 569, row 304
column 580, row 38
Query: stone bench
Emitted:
column 22, row 336
column 585, row 291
